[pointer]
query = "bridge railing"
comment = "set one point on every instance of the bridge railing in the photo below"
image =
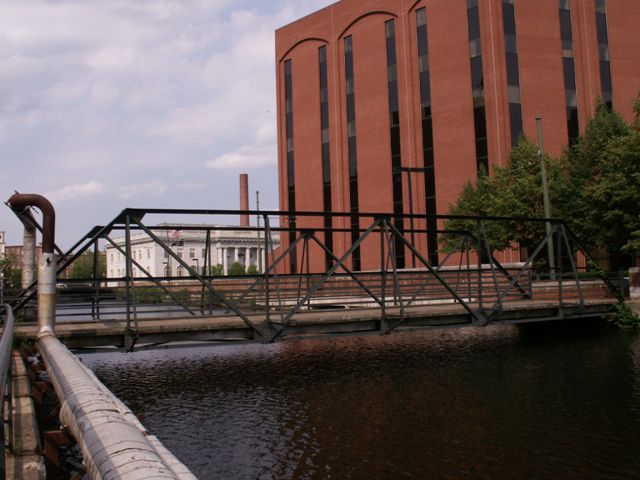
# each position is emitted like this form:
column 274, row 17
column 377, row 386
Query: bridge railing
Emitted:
column 6, row 394
column 178, row 263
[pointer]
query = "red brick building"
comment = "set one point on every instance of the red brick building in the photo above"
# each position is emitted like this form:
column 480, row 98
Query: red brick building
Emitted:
column 375, row 96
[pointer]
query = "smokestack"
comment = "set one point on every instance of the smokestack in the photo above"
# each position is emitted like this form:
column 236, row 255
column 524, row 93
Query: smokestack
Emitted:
column 244, row 199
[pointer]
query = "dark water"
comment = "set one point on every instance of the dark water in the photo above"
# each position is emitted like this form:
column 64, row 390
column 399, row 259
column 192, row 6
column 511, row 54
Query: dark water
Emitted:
column 548, row 401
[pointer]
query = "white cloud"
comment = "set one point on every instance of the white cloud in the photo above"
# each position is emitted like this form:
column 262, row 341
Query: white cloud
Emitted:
column 137, row 94
column 140, row 190
column 247, row 156
column 72, row 192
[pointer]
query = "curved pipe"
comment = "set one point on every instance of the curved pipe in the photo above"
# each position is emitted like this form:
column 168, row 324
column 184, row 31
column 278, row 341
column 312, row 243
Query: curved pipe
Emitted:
column 19, row 202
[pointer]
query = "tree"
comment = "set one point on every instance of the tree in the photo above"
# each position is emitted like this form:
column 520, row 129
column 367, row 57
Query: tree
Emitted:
column 236, row 268
column 514, row 190
column 600, row 195
column 217, row 270
column 82, row 268
column 11, row 274
column 252, row 270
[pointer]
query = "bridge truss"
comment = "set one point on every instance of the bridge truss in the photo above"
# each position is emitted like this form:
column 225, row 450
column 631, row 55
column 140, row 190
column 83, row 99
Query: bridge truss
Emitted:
column 322, row 279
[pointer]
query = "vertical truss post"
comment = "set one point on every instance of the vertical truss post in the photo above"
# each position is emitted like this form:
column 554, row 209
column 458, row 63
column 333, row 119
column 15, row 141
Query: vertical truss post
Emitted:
column 207, row 267
column 128, row 268
column 95, row 304
column 479, row 256
column 574, row 269
column 559, row 268
column 383, row 282
column 308, row 260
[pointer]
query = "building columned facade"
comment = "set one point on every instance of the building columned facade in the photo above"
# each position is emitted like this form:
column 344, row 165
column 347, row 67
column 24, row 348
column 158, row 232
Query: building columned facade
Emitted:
column 393, row 105
column 226, row 246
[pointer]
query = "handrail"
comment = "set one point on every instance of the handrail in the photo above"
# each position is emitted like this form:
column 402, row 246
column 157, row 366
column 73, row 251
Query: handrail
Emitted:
column 6, row 342
column 113, row 442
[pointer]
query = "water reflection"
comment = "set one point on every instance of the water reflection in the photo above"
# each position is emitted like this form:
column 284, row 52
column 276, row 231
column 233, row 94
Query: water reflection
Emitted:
column 550, row 401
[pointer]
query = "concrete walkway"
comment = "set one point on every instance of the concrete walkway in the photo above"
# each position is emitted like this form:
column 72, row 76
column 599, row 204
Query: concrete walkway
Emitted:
column 25, row 462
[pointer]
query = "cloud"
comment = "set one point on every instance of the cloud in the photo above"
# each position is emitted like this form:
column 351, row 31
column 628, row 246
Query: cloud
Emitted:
column 145, row 189
column 247, row 156
column 137, row 95
column 72, row 192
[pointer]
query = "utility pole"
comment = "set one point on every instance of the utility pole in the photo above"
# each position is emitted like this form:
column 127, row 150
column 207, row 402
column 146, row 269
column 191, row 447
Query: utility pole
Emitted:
column 545, row 199
column 259, row 255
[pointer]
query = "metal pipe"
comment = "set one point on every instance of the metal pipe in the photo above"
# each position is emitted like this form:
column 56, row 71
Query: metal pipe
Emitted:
column 5, row 377
column 28, row 254
column 114, row 444
column 19, row 203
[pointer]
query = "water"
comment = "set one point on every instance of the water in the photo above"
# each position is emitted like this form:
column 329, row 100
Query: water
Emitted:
column 548, row 401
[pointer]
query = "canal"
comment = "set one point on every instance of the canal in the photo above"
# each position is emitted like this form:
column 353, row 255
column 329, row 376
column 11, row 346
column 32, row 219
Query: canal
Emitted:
column 546, row 401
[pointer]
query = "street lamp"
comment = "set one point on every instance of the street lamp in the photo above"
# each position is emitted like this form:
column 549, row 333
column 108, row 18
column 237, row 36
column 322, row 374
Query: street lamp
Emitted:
column 545, row 199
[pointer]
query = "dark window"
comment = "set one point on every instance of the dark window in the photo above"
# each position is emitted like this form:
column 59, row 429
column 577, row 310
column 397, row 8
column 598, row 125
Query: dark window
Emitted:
column 427, row 135
column 394, row 131
column 572, row 124
column 605, row 77
column 473, row 20
column 477, row 84
column 569, row 73
column 291, row 189
column 508, row 19
column 569, row 70
column 477, row 81
column 513, row 77
column 513, row 74
column 326, row 152
column 352, row 150
column 515, row 122
column 603, row 47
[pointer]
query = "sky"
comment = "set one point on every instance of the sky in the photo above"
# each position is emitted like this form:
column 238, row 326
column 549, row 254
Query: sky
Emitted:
column 108, row 104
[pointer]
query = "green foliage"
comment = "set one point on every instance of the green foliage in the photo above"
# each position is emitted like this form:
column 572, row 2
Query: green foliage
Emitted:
column 594, row 186
column 182, row 296
column 252, row 270
column 82, row 268
column 513, row 190
column 624, row 317
column 236, row 268
column 149, row 295
column 217, row 270
column 600, row 197
column 11, row 272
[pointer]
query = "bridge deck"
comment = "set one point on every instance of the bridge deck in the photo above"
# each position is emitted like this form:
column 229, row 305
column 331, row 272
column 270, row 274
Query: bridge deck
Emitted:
column 101, row 333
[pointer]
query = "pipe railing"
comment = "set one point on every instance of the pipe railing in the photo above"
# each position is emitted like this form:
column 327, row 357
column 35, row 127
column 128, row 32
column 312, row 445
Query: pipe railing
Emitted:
column 6, row 342
column 113, row 442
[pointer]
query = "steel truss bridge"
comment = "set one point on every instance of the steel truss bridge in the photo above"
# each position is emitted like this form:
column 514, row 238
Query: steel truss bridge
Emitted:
column 307, row 287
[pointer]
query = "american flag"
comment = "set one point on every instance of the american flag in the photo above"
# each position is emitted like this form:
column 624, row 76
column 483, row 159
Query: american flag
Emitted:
column 175, row 235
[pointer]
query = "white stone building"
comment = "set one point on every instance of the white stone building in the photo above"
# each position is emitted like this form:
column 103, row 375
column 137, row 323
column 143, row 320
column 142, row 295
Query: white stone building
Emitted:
column 226, row 246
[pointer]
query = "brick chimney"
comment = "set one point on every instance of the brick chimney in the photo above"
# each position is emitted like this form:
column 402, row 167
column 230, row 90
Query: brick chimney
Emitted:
column 244, row 199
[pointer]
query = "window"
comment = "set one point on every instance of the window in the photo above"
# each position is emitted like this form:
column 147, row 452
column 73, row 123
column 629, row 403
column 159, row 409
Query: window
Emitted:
column 394, row 132
column 192, row 253
column 427, row 135
column 603, row 47
column 513, row 74
column 291, row 189
column 569, row 71
column 477, row 86
column 352, row 150
column 326, row 152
